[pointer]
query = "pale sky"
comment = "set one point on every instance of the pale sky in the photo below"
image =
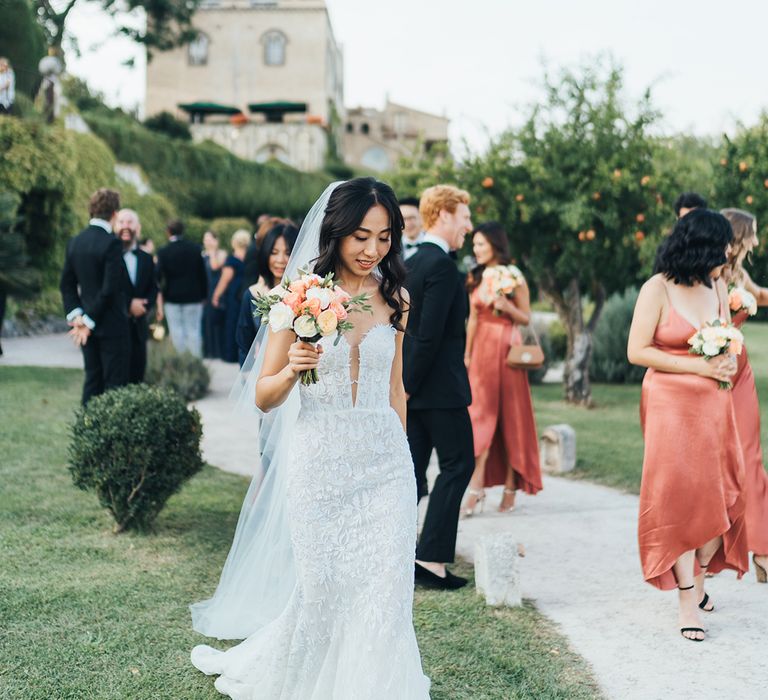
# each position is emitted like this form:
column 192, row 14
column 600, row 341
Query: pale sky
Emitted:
column 479, row 61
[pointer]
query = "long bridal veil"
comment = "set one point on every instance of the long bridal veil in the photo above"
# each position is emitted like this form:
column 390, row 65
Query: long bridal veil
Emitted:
column 259, row 574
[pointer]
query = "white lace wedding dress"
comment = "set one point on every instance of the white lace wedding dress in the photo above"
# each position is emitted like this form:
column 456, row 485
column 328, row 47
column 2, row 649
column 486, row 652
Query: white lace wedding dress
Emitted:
column 347, row 632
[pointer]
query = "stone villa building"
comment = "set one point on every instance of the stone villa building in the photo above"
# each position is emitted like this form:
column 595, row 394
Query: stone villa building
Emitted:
column 265, row 80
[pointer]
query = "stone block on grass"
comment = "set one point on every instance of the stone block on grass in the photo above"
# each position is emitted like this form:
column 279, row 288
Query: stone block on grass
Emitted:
column 557, row 449
column 497, row 572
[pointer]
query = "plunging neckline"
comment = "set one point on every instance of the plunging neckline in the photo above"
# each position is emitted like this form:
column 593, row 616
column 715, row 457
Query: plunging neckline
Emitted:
column 355, row 383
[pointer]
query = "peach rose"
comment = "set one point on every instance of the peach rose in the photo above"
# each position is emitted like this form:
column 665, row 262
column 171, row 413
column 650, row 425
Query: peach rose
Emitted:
column 341, row 296
column 313, row 306
column 298, row 286
column 736, row 301
column 293, row 299
column 338, row 310
column 327, row 322
column 735, row 347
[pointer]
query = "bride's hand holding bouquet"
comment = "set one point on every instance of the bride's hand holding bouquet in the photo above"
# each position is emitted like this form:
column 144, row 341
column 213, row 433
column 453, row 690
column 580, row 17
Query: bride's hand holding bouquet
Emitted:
column 313, row 307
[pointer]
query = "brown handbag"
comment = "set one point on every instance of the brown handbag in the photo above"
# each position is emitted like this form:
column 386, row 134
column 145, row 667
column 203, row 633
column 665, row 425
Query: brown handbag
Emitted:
column 526, row 356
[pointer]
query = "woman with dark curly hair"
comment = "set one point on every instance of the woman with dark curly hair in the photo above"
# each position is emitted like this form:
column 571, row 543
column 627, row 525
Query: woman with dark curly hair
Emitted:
column 744, row 394
column 503, row 424
column 691, row 495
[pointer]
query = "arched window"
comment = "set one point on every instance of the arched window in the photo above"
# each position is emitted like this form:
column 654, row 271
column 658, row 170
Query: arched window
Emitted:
column 364, row 128
column 274, row 47
column 197, row 50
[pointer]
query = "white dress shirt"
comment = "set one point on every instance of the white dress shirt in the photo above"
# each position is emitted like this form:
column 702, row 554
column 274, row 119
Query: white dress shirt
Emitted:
column 411, row 247
column 131, row 264
column 439, row 242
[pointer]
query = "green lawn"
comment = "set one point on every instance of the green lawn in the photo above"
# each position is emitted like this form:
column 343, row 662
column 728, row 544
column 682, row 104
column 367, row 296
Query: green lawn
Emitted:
column 87, row 614
column 608, row 438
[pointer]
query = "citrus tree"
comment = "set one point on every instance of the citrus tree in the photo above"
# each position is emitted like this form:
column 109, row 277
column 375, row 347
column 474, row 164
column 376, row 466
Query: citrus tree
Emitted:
column 577, row 189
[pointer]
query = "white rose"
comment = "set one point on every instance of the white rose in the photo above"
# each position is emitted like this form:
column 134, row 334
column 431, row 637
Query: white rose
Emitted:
column 281, row 317
column 710, row 349
column 305, row 327
column 709, row 333
column 278, row 291
column 323, row 294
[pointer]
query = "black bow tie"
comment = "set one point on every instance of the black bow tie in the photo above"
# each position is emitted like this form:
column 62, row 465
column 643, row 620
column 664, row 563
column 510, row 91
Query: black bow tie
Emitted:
column 408, row 246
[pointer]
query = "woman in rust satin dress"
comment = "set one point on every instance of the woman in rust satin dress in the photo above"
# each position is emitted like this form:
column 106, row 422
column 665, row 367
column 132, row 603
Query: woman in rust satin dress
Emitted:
column 691, row 502
column 503, row 424
column 744, row 393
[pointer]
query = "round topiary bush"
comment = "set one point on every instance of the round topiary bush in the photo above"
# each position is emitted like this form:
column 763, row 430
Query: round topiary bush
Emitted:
column 135, row 447
column 183, row 373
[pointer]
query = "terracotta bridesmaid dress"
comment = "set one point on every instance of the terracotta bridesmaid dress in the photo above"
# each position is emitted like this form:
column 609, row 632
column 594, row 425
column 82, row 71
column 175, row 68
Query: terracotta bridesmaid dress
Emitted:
column 501, row 409
column 693, row 468
column 747, row 409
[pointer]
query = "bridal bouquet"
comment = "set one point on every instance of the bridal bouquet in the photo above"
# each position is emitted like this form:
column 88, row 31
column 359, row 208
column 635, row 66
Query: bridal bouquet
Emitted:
column 500, row 280
column 717, row 338
column 313, row 307
column 739, row 299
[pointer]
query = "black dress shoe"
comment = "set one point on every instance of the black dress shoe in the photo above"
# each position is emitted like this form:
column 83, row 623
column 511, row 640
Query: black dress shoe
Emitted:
column 449, row 582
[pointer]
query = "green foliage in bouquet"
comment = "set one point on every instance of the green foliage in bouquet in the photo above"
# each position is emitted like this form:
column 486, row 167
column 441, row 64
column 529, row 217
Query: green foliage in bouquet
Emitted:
column 609, row 342
column 135, row 447
column 182, row 373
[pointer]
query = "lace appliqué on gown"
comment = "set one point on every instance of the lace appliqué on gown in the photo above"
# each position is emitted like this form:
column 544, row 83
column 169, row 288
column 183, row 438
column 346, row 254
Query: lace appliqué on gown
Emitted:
column 347, row 632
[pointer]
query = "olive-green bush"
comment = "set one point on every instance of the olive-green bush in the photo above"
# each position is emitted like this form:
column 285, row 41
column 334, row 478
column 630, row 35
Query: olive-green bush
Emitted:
column 609, row 342
column 182, row 373
column 135, row 447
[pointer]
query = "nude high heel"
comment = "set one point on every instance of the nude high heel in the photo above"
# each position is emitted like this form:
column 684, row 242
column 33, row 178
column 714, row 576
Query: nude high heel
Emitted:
column 479, row 496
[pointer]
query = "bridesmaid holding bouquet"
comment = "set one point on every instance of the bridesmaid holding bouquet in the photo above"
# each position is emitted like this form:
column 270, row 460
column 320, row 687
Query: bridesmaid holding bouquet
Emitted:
column 744, row 299
column 503, row 424
column 691, row 515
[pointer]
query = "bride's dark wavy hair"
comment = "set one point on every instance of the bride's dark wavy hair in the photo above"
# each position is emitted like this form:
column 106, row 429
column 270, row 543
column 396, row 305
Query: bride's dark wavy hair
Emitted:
column 347, row 207
column 696, row 245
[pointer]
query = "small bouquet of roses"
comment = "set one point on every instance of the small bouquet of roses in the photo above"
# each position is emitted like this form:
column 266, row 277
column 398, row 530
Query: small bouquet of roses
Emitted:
column 498, row 281
column 313, row 307
column 739, row 299
column 717, row 338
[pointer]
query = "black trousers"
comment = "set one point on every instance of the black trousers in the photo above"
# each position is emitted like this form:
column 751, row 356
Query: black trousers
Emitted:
column 138, row 352
column 106, row 363
column 449, row 431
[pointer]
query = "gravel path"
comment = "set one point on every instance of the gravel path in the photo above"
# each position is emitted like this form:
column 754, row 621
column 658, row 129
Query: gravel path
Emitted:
column 581, row 569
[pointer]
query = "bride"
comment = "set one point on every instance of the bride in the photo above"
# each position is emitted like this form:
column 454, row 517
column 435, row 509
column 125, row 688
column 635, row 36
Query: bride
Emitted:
column 320, row 575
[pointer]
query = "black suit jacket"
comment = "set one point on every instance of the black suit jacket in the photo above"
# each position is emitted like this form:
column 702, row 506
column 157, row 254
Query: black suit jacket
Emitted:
column 145, row 288
column 433, row 350
column 94, row 279
column 181, row 272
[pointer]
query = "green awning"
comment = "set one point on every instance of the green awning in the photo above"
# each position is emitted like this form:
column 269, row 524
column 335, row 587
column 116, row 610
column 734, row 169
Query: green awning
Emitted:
column 208, row 108
column 271, row 107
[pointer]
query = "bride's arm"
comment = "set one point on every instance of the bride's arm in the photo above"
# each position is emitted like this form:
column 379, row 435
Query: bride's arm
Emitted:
column 285, row 357
column 641, row 350
column 397, row 398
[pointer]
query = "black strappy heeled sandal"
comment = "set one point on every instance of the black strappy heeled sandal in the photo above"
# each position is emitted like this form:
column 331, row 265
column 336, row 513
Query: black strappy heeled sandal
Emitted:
column 683, row 630
column 705, row 599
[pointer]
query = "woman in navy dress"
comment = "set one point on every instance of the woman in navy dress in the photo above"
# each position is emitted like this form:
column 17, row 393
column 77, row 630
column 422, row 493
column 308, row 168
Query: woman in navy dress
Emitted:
column 226, row 296
column 213, row 318
column 272, row 260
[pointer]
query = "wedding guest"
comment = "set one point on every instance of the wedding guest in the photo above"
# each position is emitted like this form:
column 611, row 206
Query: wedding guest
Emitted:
column 691, row 494
column 7, row 86
column 141, row 290
column 264, row 224
column 503, row 424
column 226, row 296
column 436, row 380
column 744, row 394
column 213, row 318
column 93, row 290
column 183, row 283
column 687, row 202
column 412, row 233
column 273, row 258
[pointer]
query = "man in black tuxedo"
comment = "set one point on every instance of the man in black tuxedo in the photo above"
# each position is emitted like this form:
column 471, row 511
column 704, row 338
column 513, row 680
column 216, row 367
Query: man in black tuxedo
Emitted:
column 141, row 290
column 93, row 290
column 435, row 378
column 184, row 286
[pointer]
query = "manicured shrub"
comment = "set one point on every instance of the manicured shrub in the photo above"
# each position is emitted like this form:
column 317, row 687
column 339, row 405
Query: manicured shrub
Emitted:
column 609, row 342
column 166, row 123
column 135, row 447
column 182, row 373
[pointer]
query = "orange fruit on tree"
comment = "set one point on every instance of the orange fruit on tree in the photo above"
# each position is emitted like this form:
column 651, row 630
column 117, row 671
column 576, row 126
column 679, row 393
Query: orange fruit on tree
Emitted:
column 765, row 182
column 590, row 235
column 639, row 236
column 519, row 197
column 749, row 199
column 645, row 179
column 487, row 182
column 640, row 218
column 617, row 173
column 723, row 162
column 743, row 166
column 596, row 196
column 582, row 236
